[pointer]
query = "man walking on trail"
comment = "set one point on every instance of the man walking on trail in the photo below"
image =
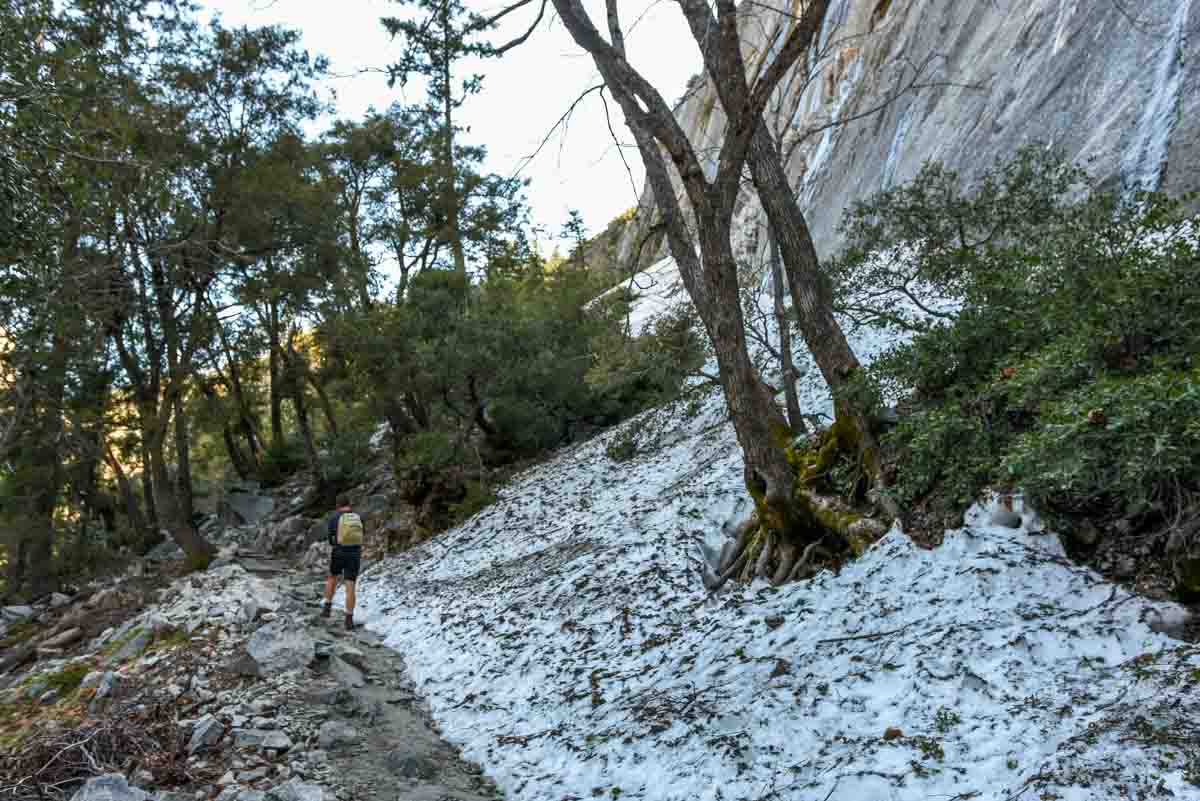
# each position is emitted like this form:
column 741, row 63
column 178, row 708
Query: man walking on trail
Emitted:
column 345, row 558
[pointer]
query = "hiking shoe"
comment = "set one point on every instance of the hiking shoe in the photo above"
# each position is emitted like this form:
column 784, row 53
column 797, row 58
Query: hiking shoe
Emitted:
column 325, row 610
column 350, row 624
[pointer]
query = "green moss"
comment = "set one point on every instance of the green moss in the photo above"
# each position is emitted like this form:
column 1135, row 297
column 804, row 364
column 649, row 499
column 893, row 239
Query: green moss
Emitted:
column 1187, row 578
column 115, row 645
column 706, row 111
column 67, row 680
column 169, row 640
column 198, row 561
column 18, row 634
column 781, row 434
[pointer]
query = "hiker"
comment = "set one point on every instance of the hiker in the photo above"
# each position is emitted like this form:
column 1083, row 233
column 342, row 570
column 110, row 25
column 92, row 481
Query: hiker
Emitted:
column 346, row 537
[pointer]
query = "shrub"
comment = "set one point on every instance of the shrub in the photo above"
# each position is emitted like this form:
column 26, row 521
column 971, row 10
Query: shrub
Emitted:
column 479, row 496
column 345, row 457
column 280, row 460
column 1069, row 367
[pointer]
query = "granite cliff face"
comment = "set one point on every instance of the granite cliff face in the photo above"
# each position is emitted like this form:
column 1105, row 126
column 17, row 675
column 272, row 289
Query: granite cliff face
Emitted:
column 1115, row 85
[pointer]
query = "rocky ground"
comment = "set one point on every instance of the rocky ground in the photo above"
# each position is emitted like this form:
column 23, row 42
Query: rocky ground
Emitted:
column 223, row 684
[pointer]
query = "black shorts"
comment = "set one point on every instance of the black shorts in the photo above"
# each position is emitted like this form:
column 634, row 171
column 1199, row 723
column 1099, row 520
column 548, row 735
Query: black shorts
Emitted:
column 345, row 561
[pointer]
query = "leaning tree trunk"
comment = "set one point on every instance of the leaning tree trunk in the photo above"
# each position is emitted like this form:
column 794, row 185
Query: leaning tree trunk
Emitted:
column 197, row 549
column 276, row 377
column 756, row 419
column 183, row 461
column 786, row 362
column 133, row 510
column 812, row 298
column 294, row 381
column 324, row 400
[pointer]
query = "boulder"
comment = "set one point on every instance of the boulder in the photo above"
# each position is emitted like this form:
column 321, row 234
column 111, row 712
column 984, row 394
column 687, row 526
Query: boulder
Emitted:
column 64, row 639
column 107, row 600
column 296, row 790
column 318, row 531
column 244, row 508
column 15, row 614
column 350, row 655
column 1005, row 518
column 278, row 647
column 407, row 763
column 260, row 738
column 166, row 551
column 243, row 665
column 316, row 557
column 206, row 733
column 16, row 657
column 290, row 534
column 105, row 688
column 346, row 674
column 334, row 734
column 110, row 787
column 107, row 684
column 58, row 600
column 132, row 649
column 251, row 776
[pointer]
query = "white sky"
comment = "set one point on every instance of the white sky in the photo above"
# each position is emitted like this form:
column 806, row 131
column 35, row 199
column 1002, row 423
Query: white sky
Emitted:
column 523, row 94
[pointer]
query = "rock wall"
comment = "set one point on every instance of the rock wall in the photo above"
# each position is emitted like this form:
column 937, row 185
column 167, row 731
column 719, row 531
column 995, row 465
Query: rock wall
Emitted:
column 1114, row 84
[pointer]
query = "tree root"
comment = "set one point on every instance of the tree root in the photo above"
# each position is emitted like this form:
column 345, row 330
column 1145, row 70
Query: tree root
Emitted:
column 790, row 538
column 734, row 549
column 714, row 582
column 764, row 557
column 826, row 529
column 804, row 567
column 787, row 559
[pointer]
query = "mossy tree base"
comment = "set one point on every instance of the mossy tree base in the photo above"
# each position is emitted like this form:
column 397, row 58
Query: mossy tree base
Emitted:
column 826, row 520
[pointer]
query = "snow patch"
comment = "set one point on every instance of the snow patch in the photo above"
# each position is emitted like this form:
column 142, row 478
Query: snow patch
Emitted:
column 657, row 289
column 897, row 147
column 563, row 638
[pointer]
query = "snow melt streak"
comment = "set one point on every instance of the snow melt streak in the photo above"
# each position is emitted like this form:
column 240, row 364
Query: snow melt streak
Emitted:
column 1144, row 163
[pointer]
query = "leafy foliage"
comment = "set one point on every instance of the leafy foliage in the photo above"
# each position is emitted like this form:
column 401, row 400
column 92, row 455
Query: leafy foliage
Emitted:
column 1069, row 367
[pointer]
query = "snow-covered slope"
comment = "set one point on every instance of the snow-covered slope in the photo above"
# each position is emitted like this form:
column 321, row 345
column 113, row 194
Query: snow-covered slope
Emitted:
column 564, row 639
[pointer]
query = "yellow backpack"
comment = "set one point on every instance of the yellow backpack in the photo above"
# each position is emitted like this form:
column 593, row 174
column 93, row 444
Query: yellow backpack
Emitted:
column 349, row 529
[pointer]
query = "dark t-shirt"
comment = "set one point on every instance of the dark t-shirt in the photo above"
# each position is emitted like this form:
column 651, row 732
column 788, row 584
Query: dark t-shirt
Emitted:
column 333, row 524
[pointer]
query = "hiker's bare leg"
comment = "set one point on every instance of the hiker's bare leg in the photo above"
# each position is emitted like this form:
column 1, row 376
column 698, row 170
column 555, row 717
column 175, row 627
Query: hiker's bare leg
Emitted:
column 350, row 587
column 330, row 588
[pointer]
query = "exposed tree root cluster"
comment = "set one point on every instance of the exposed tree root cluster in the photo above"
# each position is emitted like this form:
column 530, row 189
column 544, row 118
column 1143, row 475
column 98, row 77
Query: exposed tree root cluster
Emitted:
column 826, row 521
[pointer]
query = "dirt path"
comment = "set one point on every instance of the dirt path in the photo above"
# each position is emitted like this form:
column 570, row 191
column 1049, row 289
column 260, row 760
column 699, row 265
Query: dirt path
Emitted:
column 378, row 735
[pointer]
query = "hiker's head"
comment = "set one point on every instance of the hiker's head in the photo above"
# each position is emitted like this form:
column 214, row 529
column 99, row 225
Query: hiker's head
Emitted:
column 343, row 501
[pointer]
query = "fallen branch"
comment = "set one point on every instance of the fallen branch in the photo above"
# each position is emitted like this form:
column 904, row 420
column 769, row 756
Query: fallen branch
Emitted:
column 877, row 636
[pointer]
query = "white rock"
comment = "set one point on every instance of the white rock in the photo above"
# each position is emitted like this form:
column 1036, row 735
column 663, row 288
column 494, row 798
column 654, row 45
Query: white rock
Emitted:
column 17, row 613
column 109, row 787
column 206, row 733
column 278, row 648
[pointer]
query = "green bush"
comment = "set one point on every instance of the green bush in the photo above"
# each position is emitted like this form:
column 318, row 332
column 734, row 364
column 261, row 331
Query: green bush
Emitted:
column 1070, row 366
column 345, row 457
column 280, row 460
column 479, row 495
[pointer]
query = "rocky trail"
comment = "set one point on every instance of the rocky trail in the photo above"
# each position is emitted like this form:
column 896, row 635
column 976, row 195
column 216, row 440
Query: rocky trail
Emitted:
column 223, row 684
column 381, row 741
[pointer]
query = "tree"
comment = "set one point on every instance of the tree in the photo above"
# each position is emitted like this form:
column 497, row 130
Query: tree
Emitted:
column 440, row 35
column 711, row 279
column 433, row 42
column 60, row 69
